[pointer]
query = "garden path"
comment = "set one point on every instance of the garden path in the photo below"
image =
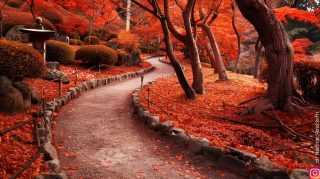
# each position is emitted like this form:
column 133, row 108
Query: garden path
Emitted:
column 97, row 137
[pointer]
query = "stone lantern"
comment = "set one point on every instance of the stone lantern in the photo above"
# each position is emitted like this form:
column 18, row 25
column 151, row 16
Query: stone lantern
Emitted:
column 38, row 36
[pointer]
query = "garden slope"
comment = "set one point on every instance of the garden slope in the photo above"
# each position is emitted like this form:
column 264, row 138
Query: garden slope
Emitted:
column 201, row 117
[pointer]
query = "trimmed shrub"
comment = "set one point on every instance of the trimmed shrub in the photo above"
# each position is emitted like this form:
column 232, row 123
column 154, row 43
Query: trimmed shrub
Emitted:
column 308, row 77
column 19, row 60
column 96, row 55
column 60, row 52
column 121, row 58
column 93, row 40
column 75, row 42
column 15, row 3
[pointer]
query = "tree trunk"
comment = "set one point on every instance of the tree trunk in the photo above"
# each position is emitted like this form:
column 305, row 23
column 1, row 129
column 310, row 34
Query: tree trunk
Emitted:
column 257, row 61
column 238, row 43
column 128, row 18
column 1, row 27
column 279, row 55
column 198, row 82
column 190, row 93
column 90, row 31
column 216, row 52
column 211, row 55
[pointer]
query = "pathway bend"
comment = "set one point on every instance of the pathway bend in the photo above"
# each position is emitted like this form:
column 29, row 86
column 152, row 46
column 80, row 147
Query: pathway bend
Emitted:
column 97, row 137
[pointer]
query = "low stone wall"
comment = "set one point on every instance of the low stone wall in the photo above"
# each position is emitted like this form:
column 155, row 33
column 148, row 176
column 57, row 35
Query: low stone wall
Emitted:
column 50, row 152
column 241, row 162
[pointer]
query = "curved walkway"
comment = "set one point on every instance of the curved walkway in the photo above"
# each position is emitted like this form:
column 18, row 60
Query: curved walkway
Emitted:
column 97, row 137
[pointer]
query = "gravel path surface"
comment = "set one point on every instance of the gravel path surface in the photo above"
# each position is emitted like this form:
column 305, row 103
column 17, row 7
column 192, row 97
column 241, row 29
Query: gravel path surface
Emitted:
column 97, row 137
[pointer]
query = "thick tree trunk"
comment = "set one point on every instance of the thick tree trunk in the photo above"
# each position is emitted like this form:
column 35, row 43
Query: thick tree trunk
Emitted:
column 216, row 52
column 198, row 82
column 279, row 55
column 257, row 60
column 190, row 93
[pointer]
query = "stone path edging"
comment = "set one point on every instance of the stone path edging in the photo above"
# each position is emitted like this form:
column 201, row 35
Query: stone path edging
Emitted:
column 50, row 152
column 241, row 162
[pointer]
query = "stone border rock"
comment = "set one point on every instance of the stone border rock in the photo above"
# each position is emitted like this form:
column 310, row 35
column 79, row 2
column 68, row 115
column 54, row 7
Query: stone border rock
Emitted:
column 241, row 162
column 50, row 152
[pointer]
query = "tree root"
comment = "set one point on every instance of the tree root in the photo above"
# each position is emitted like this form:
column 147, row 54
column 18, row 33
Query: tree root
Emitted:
column 224, row 105
column 286, row 127
column 297, row 149
column 249, row 100
column 262, row 104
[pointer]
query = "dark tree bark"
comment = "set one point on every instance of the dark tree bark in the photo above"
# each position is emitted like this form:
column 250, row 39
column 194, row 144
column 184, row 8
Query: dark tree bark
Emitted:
column 198, row 82
column 216, row 52
column 190, row 43
column 211, row 55
column 238, row 40
column 189, row 92
column 212, row 47
column 279, row 55
column 258, row 48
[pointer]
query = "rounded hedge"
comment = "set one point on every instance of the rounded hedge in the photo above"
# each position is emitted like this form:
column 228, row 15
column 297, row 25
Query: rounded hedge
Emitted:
column 93, row 40
column 19, row 60
column 60, row 52
column 94, row 55
column 76, row 42
column 121, row 58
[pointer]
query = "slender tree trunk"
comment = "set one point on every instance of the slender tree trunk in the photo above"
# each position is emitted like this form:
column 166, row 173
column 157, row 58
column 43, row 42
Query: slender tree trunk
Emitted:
column 216, row 52
column 90, row 30
column 209, row 51
column 279, row 55
column 190, row 93
column 238, row 43
column 1, row 27
column 128, row 19
column 257, row 60
column 198, row 82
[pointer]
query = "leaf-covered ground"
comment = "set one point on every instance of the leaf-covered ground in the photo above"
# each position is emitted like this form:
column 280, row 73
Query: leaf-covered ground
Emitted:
column 200, row 117
column 16, row 147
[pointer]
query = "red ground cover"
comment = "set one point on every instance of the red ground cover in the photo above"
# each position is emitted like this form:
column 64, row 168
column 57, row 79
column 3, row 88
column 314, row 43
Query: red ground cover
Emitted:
column 16, row 148
column 199, row 117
